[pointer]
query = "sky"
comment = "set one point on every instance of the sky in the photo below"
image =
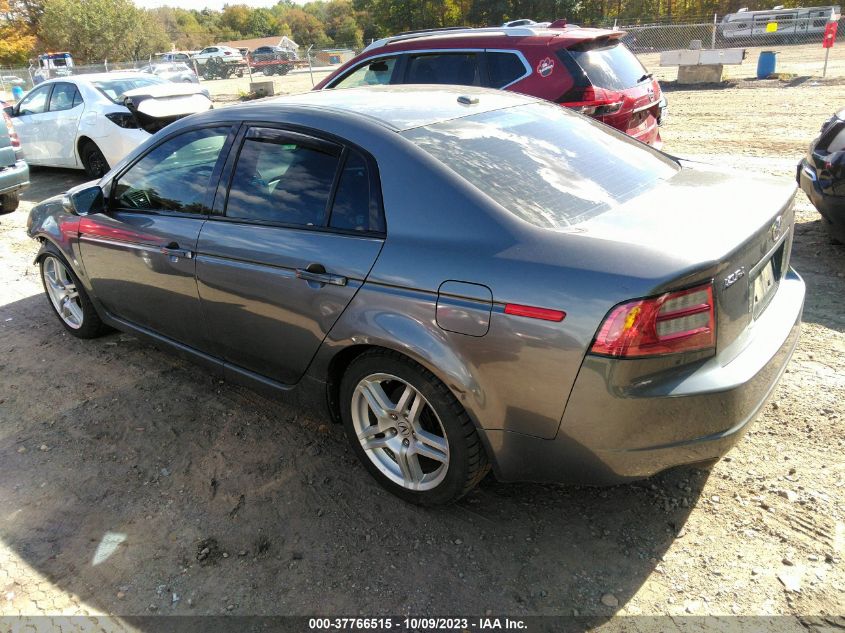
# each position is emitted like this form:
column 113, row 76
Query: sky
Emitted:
column 201, row 4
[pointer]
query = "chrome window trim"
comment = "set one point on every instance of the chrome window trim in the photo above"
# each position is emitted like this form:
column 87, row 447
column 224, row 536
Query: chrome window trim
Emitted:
column 437, row 51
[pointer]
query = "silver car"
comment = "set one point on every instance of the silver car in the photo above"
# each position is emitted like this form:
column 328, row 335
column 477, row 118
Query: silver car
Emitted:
column 174, row 71
column 464, row 278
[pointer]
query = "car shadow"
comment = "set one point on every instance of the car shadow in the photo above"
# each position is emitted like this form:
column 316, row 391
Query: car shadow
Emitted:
column 142, row 484
column 822, row 266
column 45, row 182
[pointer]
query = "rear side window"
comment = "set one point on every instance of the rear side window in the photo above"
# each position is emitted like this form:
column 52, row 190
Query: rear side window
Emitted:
column 448, row 68
column 355, row 207
column 544, row 164
column 283, row 181
column 374, row 73
column 504, row 69
column 613, row 67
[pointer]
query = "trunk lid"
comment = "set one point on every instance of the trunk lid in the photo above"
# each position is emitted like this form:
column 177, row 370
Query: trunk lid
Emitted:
column 156, row 106
column 737, row 230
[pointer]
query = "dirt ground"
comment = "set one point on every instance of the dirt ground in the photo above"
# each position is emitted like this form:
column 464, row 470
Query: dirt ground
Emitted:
column 121, row 464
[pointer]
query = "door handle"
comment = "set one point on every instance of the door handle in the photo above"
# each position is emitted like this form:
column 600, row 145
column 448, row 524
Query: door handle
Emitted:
column 173, row 250
column 320, row 277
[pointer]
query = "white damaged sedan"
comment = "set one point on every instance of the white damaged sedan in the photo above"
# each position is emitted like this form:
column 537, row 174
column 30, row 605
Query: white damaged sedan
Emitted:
column 92, row 121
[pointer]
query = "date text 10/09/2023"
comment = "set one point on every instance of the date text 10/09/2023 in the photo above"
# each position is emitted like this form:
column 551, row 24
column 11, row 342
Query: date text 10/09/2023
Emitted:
column 416, row 624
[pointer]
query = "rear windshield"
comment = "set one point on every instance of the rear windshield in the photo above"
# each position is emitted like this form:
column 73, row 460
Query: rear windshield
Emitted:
column 613, row 67
column 114, row 88
column 545, row 164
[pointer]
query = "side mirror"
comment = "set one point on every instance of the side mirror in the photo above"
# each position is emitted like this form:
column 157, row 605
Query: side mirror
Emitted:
column 85, row 201
column 10, row 110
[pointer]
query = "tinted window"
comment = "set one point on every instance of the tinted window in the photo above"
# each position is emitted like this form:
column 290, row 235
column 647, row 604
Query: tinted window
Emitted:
column 35, row 102
column 449, row 68
column 544, row 164
column 175, row 175
column 64, row 97
column 374, row 73
column 283, row 181
column 613, row 67
column 504, row 68
column 354, row 207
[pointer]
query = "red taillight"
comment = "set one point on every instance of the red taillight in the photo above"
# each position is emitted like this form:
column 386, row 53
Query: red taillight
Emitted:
column 597, row 102
column 681, row 321
column 532, row 312
column 13, row 136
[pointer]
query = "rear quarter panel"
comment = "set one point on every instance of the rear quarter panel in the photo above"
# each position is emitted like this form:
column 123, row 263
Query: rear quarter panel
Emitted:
column 518, row 376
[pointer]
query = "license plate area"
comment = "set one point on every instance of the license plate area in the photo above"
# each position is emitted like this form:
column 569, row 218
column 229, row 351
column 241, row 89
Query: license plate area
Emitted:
column 764, row 284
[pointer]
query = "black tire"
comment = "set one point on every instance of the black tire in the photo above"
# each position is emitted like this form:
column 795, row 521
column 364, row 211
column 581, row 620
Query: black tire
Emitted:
column 467, row 459
column 9, row 202
column 95, row 164
column 283, row 70
column 92, row 326
column 269, row 71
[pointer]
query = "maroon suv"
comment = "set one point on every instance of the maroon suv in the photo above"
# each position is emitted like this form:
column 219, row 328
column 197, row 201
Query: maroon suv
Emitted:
column 589, row 70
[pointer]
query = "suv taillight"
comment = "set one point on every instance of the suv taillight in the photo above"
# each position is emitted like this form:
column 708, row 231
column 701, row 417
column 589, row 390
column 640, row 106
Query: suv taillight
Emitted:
column 597, row 102
column 683, row 321
column 13, row 136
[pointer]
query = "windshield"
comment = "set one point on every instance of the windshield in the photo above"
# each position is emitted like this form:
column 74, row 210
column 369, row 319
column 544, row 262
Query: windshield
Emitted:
column 544, row 164
column 613, row 67
column 114, row 88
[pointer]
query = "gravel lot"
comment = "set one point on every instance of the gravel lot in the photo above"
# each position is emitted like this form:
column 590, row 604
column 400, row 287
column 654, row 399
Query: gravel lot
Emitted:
column 136, row 483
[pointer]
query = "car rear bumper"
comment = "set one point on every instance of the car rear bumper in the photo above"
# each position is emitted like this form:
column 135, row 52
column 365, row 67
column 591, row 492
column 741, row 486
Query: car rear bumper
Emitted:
column 614, row 430
column 14, row 178
column 831, row 207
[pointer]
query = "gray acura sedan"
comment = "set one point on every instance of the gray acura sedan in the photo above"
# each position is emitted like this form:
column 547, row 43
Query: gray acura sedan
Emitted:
column 464, row 278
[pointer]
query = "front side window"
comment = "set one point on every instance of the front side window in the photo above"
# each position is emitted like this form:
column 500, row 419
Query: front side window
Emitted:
column 504, row 69
column 64, row 97
column 374, row 73
column 544, row 164
column 35, row 102
column 282, row 179
column 175, row 175
column 446, row 68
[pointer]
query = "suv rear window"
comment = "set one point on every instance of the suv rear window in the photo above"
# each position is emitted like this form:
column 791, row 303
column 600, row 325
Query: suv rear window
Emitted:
column 544, row 164
column 613, row 67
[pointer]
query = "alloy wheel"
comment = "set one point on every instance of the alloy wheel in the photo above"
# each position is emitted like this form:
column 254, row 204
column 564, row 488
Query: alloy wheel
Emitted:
column 61, row 288
column 400, row 432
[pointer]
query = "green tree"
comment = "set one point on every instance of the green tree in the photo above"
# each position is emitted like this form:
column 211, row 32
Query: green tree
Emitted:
column 92, row 30
column 262, row 23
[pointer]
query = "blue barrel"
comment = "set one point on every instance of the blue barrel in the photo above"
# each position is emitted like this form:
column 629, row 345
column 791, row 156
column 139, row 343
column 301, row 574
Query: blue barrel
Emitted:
column 766, row 64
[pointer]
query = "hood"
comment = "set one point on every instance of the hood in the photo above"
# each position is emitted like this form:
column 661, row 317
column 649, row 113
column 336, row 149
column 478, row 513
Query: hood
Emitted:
column 156, row 106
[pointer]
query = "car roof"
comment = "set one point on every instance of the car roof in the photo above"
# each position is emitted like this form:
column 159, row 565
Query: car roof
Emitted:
column 402, row 107
column 501, row 37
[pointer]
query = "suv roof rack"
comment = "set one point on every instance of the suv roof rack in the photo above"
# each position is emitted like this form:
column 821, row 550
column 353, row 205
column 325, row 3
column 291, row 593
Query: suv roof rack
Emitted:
column 510, row 31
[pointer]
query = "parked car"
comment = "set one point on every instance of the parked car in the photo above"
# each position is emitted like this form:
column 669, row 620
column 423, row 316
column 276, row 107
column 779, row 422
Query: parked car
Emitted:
column 821, row 174
column 464, row 277
column 92, row 121
column 175, row 57
column 14, row 172
column 220, row 62
column 175, row 72
column 271, row 60
column 588, row 70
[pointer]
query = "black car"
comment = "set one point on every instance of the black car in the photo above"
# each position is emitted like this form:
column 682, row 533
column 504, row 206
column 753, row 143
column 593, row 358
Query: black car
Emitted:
column 821, row 174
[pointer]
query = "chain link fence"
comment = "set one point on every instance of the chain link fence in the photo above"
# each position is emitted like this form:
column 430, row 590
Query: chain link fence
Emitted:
column 312, row 61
